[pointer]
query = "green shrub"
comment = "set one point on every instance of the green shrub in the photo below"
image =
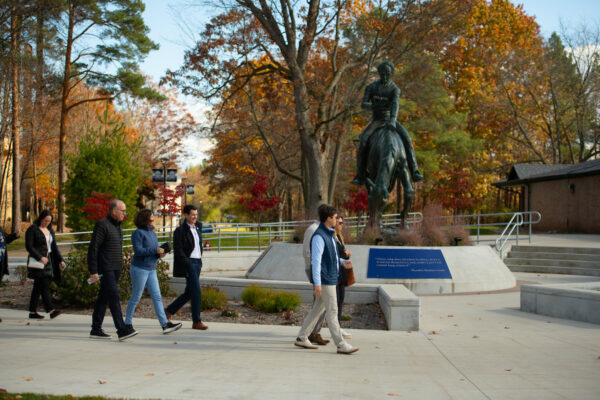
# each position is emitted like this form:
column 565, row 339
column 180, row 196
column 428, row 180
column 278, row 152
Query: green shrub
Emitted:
column 212, row 298
column 229, row 313
column 270, row 301
column 75, row 291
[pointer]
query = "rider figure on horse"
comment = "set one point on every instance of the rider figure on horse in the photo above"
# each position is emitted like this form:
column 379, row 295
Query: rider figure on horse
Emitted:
column 381, row 97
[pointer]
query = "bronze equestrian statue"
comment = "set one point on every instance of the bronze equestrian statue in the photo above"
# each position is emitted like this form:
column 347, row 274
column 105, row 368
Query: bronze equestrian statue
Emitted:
column 385, row 152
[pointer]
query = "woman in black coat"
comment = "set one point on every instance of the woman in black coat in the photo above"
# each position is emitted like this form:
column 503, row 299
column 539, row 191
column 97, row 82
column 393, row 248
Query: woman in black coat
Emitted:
column 41, row 246
column 4, row 241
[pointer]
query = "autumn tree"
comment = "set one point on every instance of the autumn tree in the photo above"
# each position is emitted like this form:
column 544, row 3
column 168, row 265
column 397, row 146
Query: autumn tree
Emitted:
column 303, row 47
column 107, row 161
column 121, row 37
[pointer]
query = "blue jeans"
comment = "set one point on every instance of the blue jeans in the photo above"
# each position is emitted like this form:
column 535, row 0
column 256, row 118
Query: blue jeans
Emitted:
column 141, row 278
column 192, row 291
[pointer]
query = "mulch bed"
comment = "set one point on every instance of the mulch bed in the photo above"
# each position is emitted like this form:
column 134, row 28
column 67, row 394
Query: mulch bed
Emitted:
column 362, row 316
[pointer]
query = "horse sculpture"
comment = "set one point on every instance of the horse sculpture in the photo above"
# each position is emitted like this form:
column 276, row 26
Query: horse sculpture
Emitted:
column 386, row 163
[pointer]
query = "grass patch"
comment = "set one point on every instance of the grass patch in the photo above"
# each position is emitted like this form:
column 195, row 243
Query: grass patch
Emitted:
column 346, row 318
column 269, row 300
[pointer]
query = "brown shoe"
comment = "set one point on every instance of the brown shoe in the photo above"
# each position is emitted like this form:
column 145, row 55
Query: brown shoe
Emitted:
column 169, row 316
column 199, row 325
column 317, row 339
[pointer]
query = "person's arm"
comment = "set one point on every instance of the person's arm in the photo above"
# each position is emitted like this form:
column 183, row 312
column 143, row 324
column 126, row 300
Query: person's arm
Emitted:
column 137, row 240
column 178, row 252
column 367, row 103
column 55, row 249
column 29, row 243
column 316, row 254
column 394, row 106
column 98, row 236
column 11, row 237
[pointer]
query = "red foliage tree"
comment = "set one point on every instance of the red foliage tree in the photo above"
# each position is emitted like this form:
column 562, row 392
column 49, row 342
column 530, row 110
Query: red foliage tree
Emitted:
column 168, row 204
column 359, row 203
column 259, row 202
column 96, row 206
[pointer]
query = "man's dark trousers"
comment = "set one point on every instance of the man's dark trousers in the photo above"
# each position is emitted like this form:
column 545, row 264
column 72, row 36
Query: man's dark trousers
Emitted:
column 192, row 291
column 109, row 294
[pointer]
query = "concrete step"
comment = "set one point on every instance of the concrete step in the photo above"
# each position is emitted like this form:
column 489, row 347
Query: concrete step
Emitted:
column 555, row 263
column 553, row 256
column 562, row 250
column 546, row 269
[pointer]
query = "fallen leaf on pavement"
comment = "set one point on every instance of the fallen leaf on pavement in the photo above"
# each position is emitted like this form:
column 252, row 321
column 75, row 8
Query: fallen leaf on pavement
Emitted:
column 101, row 382
column 450, row 315
column 21, row 321
column 508, row 370
column 507, row 327
column 393, row 394
column 29, row 379
column 408, row 331
column 434, row 332
column 475, row 337
column 29, row 323
column 149, row 374
column 174, row 342
column 377, row 347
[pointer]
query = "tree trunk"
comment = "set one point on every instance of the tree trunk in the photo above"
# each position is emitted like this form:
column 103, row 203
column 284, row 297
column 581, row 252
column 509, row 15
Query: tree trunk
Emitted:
column 64, row 110
column 16, row 180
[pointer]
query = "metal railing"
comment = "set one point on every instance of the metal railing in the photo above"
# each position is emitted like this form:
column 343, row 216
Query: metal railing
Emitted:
column 256, row 237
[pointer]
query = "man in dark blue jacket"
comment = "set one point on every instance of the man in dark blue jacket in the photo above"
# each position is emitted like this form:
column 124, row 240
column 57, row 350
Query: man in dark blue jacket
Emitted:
column 325, row 265
column 105, row 262
column 187, row 262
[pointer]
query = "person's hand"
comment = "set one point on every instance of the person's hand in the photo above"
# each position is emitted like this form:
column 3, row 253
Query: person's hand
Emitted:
column 348, row 253
column 318, row 291
column 160, row 251
column 94, row 278
column 163, row 255
column 347, row 264
column 63, row 265
column 44, row 260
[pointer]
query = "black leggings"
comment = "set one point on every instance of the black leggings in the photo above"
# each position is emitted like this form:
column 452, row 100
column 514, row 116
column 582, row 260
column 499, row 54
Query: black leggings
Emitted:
column 41, row 285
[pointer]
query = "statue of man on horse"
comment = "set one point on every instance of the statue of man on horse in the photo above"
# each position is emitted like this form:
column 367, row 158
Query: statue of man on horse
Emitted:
column 385, row 151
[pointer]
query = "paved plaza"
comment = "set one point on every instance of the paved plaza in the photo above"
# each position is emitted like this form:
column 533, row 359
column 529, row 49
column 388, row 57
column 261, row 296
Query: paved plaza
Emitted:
column 476, row 346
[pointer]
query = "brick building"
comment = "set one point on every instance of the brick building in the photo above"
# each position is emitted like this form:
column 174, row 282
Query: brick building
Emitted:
column 567, row 196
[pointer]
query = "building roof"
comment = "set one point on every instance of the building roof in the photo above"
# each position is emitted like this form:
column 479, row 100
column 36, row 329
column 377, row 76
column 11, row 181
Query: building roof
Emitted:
column 525, row 173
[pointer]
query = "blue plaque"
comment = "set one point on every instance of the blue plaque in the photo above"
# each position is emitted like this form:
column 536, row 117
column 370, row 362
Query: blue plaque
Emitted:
column 407, row 264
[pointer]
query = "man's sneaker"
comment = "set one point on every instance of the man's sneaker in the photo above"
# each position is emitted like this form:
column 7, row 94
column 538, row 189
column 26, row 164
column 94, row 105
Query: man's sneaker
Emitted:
column 171, row 327
column 35, row 315
column 126, row 333
column 305, row 343
column 345, row 334
column 317, row 339
column 99, row 334
column 347, row 349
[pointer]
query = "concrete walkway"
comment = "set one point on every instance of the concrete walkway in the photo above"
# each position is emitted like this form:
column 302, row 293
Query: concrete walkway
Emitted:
column 477, row 346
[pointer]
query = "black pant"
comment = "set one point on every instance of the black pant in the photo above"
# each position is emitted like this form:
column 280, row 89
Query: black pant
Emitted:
column 340, row 291
column 109, row 294
column 41, row 285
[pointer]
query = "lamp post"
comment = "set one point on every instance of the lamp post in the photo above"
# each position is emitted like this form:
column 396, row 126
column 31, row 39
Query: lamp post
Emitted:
column 164, row 160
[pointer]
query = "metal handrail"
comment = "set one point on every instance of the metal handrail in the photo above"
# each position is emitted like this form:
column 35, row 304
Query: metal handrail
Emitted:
column 248, row 236
column 512, row 225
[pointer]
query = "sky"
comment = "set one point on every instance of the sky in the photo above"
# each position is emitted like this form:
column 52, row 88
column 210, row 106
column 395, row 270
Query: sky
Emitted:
column 175, row 24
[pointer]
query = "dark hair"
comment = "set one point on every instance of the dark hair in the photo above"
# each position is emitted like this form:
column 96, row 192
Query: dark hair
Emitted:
column 142, row 218
column 187, row 209
column 113, row 204
column 43, row 215
column 385, row 64
column 325, row 211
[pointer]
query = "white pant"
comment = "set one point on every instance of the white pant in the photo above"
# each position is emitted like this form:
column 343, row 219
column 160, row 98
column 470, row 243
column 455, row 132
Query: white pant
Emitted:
column 328, row 303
